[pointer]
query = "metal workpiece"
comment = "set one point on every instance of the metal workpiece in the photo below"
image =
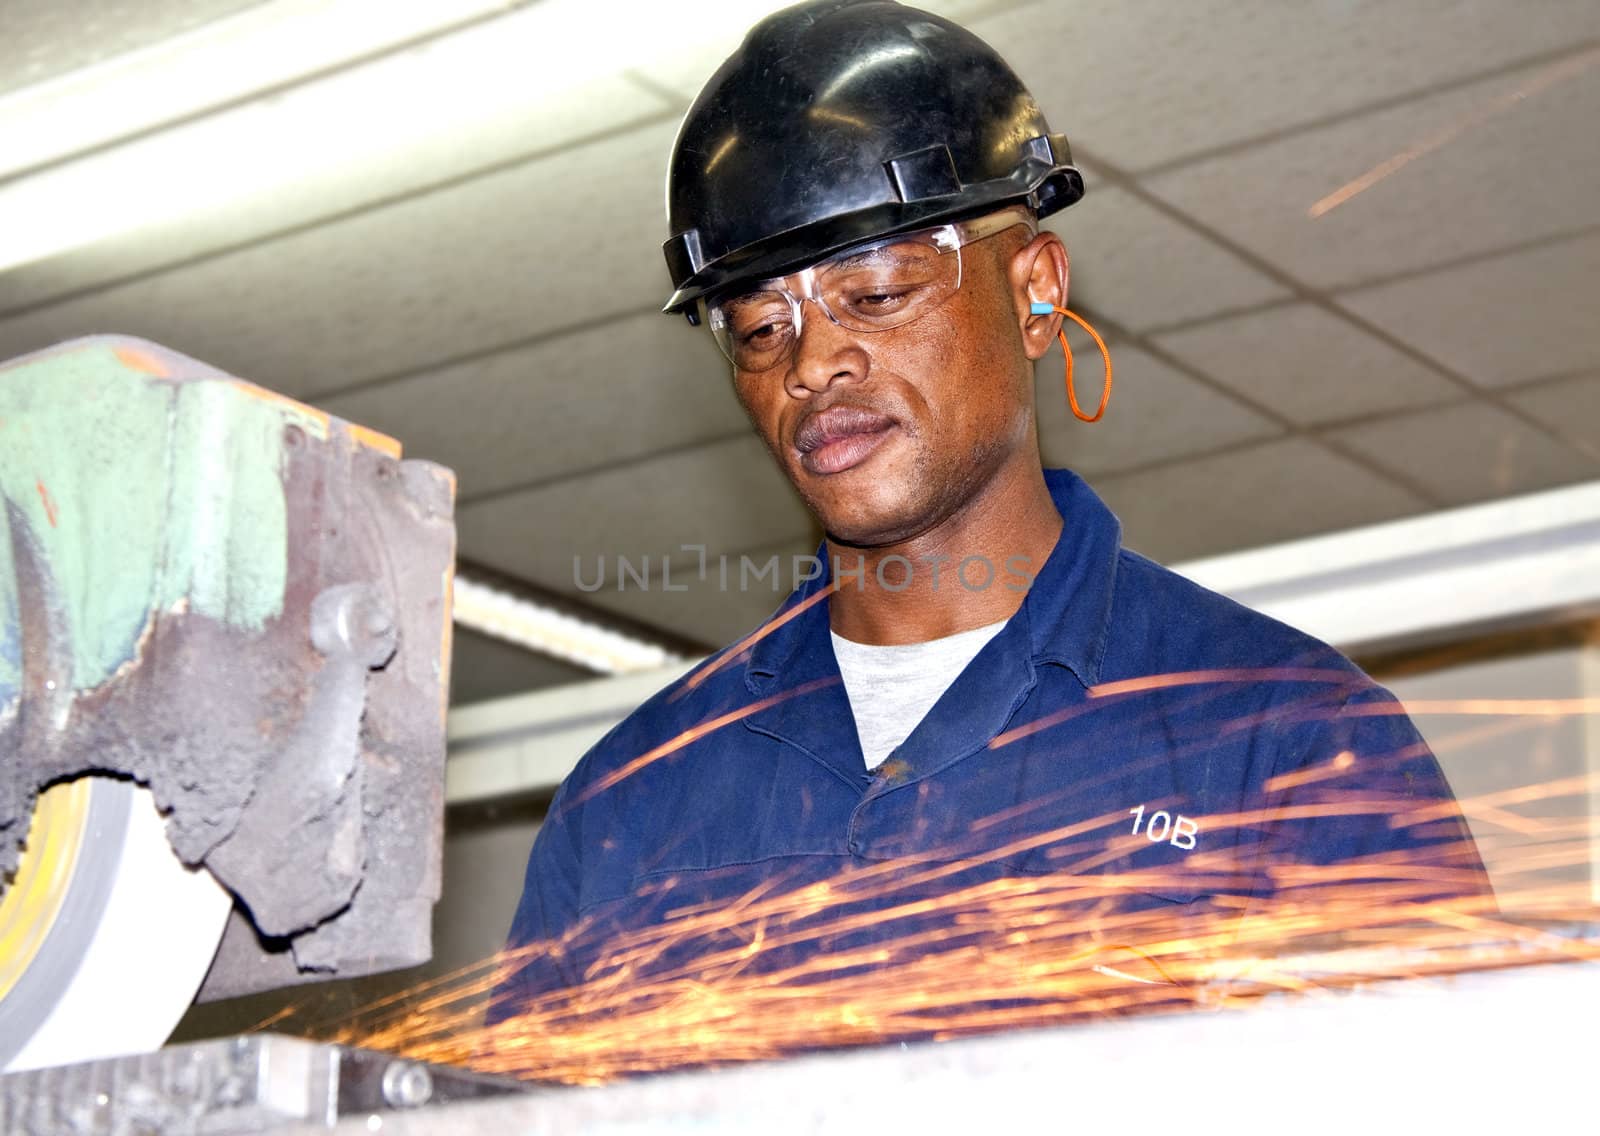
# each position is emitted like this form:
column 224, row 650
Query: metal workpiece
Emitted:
column 244, row 604
column 244, row 1085
column 1498, row 1051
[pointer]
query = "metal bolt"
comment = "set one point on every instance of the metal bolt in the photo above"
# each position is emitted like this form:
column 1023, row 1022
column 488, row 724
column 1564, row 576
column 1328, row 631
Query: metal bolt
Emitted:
column 406, row 1085
column 354, row 620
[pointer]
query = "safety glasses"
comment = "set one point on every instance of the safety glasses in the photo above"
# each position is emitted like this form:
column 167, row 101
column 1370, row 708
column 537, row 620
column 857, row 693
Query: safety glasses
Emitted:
column 876, row 286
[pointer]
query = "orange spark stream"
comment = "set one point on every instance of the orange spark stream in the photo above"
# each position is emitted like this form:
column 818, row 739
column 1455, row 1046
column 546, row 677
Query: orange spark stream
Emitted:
column 1025, row 950
column 1549, row 77
column 737, row 651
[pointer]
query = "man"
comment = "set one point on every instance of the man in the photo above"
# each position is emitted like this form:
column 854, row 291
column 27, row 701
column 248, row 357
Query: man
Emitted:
column 983, row 687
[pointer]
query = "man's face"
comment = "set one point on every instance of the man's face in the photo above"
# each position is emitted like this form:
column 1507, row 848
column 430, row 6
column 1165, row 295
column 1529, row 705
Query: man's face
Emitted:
column 887, row 434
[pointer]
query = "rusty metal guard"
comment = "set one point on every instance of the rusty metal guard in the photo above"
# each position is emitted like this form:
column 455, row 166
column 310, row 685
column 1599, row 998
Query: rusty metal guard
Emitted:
column 243, row 603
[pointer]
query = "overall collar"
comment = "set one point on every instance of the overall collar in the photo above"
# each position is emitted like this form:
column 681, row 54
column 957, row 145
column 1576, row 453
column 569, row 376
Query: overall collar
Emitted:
column 1066, row 613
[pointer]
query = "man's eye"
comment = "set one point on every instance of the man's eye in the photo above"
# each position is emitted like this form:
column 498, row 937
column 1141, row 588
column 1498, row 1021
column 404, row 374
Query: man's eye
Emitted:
column 762, row 333
column 881, row 301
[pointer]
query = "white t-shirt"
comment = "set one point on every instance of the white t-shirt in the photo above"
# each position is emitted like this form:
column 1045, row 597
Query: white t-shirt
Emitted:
column 891, row 688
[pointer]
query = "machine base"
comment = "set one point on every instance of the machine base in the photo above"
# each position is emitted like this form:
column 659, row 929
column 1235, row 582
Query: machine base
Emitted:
column 249, row 1084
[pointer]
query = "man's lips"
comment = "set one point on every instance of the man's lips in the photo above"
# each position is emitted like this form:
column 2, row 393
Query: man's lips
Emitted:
column 835, row 439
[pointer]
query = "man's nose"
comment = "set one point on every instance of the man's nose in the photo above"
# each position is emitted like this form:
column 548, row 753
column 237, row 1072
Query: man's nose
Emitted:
column 824, row 353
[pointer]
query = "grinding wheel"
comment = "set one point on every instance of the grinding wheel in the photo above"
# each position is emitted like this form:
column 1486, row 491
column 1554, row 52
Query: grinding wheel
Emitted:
column 104, row 934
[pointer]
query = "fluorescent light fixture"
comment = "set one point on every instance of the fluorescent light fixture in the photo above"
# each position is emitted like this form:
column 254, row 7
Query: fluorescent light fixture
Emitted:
column 1501, row 563
column 536, row 627
column 266, row 46
column 341, row 122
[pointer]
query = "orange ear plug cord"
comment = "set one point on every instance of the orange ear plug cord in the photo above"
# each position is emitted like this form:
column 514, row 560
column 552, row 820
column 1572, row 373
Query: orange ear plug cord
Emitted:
column 1042, row 309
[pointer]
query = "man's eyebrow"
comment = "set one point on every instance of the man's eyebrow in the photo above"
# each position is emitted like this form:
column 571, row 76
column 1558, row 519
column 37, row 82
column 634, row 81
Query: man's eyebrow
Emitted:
column 868, row 256
column 761, row 295
column 851, row 260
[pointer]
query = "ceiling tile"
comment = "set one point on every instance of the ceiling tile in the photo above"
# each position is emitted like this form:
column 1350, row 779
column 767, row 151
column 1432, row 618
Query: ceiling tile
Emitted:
column 1308, row 364
column 512, row 123
column 686, row 70
column 625, row 389
column 492, row 261
column 1468, row 452
column 1156, row 412
column 1143, row 269
column 728, row 495
column 1441, row 199
column 1142, row 82
column 1570, row 407
column 1499, row 321
column 1262, row 495
column 46, row 38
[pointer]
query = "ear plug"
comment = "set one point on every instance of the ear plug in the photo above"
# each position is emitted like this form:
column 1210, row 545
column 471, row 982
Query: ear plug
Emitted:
column 1040, row 308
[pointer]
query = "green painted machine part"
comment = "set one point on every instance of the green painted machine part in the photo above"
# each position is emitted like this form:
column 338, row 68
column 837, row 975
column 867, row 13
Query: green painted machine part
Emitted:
column 243, row 603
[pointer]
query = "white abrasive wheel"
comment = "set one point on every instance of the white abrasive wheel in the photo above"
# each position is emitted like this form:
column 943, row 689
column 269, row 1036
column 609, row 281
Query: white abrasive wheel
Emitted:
column 104, row 935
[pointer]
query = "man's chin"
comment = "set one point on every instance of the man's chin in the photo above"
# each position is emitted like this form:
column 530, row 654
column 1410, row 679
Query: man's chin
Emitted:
column 879, row 502
column 875, row 521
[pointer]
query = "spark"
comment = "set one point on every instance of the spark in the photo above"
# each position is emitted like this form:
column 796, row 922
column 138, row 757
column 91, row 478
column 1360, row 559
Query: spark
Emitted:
column 953, row 943
column 738, row 650
column 1003, row 953
column 1336, row 766
column 1545, row 79
column 1146, row 683
column 694, row 734
column 1529, row 707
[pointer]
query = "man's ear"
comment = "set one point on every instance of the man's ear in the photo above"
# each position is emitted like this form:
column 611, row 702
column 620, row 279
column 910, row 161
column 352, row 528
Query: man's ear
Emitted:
column 1039, row 274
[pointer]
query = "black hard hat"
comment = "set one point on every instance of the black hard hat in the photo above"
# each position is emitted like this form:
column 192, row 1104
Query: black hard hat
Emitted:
column 839, row 121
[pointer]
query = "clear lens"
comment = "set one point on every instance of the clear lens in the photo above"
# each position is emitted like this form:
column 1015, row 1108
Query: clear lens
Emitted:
column 870, row 288
column 757, row 330
column 864, row 290
column 888, row 286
